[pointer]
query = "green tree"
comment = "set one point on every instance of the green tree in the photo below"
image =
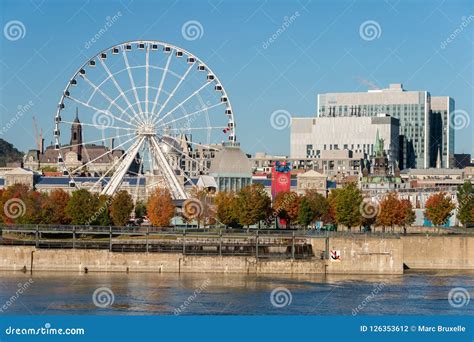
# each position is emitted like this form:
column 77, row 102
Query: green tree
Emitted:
column 305, row 212
column 465, row 198
column 83, row 207
column 140, row 210
column 253, row 204
column 438, row 208
column 348, row 205
column 121, row 208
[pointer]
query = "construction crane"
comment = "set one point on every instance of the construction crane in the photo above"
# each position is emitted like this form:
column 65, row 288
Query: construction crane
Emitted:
column 38, row 137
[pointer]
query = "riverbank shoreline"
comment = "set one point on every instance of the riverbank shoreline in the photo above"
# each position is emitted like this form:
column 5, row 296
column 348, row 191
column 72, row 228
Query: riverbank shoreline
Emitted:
column 332, row 255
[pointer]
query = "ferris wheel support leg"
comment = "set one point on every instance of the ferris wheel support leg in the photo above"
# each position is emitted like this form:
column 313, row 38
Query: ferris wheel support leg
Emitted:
column 117, row 178
column 176, row 189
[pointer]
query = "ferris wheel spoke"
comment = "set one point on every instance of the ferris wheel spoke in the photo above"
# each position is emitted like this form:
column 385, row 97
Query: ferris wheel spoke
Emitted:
column 184, row 101
column 102, row 177
column 147, row 62
column 168, row 174
column 132, row 82
column 202, row 145
column 122, row 94
column 138, row 174
column 102, row 155
column 163, row 76
column 183, row 154
column 100, row 126
column 197, row 128
column 188, row 115
column 117, row 178
column 94, row 141
column 99, row 110
column 170, row 96
column 112, row 102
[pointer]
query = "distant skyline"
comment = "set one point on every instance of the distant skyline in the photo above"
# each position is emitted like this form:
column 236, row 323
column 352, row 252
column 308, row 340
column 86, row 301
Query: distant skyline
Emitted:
column 271, row 56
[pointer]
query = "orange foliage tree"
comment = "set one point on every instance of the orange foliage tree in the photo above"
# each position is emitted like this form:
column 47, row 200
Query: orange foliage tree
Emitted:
column 160, row 207
column 54, row 207
column 286, row 205
column 438, row 208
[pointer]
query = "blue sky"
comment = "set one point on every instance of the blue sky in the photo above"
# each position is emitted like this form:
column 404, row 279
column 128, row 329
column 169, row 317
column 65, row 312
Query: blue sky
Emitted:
column 320, row 50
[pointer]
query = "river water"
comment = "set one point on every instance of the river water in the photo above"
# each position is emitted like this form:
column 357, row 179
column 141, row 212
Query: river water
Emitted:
column 414, row 293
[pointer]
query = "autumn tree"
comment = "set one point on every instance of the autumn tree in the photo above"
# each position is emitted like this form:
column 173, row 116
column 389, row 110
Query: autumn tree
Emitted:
column 20, row 205
column 348, row 204
column 160, row 207
column 253, row 204
column 407, row 213
column 330, row 217
column 465, row 198
column 225, row 208
column 121, row 208
column 83, row 208
column 54, row 207
column 438, row 208
column 286, row 206
column 389, row 211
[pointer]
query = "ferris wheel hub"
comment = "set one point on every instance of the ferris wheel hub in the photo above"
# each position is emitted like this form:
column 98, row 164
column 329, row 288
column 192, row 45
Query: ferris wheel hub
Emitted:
column 146, row 129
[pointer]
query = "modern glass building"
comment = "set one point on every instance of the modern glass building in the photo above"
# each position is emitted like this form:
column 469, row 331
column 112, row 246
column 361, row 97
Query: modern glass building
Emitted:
column 413, row 109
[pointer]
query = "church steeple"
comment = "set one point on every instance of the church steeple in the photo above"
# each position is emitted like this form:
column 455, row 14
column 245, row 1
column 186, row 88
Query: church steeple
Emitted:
column 76, row 136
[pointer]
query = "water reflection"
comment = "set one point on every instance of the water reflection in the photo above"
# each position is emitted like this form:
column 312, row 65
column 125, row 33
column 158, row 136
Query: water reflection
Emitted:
column 423, row 293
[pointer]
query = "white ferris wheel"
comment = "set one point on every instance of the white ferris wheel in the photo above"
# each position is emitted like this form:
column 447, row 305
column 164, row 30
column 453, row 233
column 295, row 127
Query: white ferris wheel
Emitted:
column 140, row 100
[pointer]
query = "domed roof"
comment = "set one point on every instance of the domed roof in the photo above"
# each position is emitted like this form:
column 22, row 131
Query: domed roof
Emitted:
column 230, row 160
